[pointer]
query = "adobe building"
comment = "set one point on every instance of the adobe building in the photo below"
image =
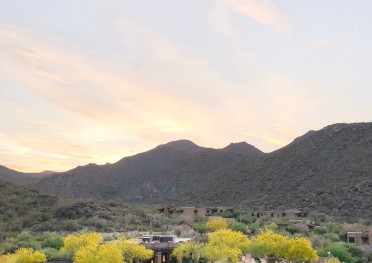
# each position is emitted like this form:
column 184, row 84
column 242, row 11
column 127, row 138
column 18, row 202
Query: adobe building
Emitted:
column 290, row 213
column 193, row 213
column 172, row 210
column 360, row 238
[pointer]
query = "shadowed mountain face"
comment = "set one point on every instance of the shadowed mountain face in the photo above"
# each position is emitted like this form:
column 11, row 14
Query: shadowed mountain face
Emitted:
column 164, row 170
column 328, row 170
column 10, row 175
column 242, row 148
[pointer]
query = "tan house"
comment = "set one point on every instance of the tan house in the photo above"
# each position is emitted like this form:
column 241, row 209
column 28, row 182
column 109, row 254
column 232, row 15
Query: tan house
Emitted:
column 192, row 212
column 290, row 213
column 172, row 210
column 360, row 238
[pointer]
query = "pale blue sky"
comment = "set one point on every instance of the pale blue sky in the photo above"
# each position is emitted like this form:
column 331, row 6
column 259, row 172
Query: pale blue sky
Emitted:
column 94, row 81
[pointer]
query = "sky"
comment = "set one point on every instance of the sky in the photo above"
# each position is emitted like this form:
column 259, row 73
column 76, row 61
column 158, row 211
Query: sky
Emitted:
column 93, row 81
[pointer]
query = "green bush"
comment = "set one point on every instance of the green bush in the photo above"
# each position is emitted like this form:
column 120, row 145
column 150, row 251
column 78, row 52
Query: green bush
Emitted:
column 347, row 253
column 236, row 226
column 52, row 240
column 201, row 227
column 52, row 253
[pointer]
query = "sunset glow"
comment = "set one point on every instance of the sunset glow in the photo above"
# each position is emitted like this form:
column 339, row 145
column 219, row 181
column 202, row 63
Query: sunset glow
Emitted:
column 94, row 81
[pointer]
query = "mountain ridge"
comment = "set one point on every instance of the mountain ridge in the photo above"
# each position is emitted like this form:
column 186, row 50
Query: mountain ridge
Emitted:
column 329, row 170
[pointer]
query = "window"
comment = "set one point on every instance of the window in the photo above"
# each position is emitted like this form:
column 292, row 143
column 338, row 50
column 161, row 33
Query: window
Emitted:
column 365, row 240
column 352, row 240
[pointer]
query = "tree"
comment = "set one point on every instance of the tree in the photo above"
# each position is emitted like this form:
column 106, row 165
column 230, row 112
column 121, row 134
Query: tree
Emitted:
column 8, row 258
column 333, row 260
column 200, row 227
column 106, row 253
column 24, row 255
column 271, row 226
column 22, row 240
column 269, row 244
column 180, row 252
column 52, row 240
column 131, row 250
column 221, row 253
column 216, row 224
column 347, row 253
column 240, row 227
column 191, row 250
column 300, row 249
column 225, row 245
column 73, row 243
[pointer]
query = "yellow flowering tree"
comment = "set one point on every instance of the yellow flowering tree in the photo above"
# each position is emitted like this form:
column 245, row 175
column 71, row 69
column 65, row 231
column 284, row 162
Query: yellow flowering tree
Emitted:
column 24, row 255
column 87, row 248
column 225, row 245
column 269, row 244
column 131, row 250
column 300, row 249
column 216, row 224
column 105, row 253
column 221, row 253
column 72, row 243
column 191, row 250
column 8, row 258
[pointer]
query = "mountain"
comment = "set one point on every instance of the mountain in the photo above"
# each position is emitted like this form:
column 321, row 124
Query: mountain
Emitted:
column 329, row 171
column 146, row 176
column 10, row 175
column 242, row 148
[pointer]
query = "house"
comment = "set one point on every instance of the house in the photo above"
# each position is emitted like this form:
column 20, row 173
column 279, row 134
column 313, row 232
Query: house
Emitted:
column 297, row 225
column 290, row 213
column 193, row 213
column 360, row 238
column 172, row 210
column 211, row 211
column 187, row 225
column 162, row 245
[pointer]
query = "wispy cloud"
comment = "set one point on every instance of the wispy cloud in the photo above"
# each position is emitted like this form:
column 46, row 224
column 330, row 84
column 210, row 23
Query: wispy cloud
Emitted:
column 72, row 107
column 102, row 114
column 261, row 11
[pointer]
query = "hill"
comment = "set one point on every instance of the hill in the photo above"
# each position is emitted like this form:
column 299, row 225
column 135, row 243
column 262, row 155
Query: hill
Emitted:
column 329, row 171
column 10, row 175
column 163, row 170
column 23, row 209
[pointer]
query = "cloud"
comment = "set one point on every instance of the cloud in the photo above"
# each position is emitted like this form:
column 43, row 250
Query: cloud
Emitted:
column 98, row 113
column 317, row 42
column 220, row 21
column 261, row 11
column 70, row 106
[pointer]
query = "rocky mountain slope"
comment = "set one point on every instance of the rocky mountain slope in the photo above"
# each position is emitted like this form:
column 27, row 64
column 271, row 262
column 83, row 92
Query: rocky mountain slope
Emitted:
column 329, row 170
column 164, row 170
